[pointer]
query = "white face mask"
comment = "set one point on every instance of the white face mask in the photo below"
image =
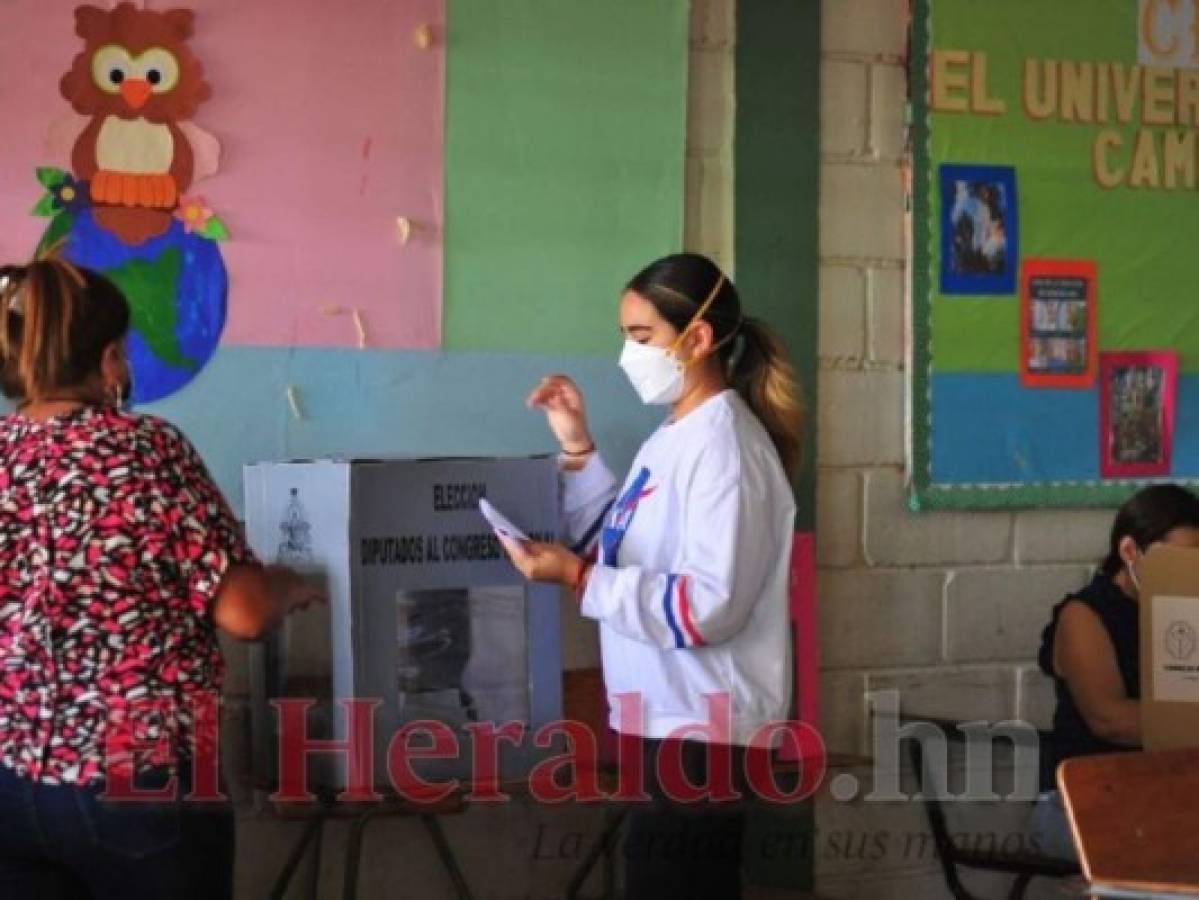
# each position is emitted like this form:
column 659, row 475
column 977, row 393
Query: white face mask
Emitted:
column 656, row 373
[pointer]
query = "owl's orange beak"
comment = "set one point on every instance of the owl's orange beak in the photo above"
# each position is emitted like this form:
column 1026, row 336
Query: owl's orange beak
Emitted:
column 136, row 91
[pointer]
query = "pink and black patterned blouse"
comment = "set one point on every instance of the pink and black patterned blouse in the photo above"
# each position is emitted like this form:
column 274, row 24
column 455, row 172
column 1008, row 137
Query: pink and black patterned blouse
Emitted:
column 113, row 543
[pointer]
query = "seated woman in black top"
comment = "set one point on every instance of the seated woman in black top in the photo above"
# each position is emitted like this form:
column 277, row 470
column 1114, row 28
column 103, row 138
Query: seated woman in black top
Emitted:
column 1091, row 649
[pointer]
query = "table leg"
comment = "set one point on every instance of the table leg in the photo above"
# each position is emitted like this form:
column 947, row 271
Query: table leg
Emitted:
column 354, row 853
column 313, row 829
column 448, row 859
column 603, row 846
column 314, row 881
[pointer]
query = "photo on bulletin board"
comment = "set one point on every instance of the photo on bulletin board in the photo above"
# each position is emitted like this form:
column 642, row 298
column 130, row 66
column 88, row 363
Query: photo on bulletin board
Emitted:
column 979, row 229
column 1058, row 315
column 1136, row 415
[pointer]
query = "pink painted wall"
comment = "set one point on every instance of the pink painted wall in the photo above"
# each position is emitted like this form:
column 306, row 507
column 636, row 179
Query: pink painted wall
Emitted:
column 331, row 122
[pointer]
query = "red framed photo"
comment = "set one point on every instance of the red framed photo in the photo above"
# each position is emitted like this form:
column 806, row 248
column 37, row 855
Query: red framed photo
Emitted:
column 1058, row 324
column 1136, row 413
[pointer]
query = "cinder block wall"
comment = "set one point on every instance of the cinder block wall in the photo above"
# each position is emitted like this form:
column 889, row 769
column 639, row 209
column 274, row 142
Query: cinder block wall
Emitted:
column 946, row 608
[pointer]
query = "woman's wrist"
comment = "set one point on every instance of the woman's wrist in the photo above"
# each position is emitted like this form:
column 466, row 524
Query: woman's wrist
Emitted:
column 575, row 457
column 580, row 449
column 579, row 583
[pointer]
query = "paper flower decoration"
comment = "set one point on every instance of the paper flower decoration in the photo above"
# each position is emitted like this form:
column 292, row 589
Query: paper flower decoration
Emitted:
column 194, row 213
column 63, row 193
column 198, row 218
column 71, row 194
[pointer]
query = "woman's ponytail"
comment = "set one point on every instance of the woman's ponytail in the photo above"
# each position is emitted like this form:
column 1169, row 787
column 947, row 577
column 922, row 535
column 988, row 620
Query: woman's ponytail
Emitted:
column 766, row 381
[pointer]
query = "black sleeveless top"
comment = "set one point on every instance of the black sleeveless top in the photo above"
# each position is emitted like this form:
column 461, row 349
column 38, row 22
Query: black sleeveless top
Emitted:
column 1120, row 616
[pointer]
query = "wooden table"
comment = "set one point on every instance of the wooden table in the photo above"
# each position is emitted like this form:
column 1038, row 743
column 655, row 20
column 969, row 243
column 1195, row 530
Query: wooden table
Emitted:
column 1135, row 818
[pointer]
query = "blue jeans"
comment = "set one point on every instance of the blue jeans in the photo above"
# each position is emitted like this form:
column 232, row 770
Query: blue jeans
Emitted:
column 1050, row 828
column 59, row 841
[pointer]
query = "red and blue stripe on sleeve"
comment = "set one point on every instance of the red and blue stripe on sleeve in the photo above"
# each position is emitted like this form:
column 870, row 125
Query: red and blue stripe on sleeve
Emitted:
column 677, row 605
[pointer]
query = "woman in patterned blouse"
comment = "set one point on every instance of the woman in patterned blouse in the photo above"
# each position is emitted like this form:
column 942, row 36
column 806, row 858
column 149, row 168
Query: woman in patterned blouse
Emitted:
column 119, row 561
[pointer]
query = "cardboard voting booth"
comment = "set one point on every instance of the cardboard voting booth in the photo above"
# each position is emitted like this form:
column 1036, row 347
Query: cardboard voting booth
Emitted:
column 1169, row 647
column 425, row 613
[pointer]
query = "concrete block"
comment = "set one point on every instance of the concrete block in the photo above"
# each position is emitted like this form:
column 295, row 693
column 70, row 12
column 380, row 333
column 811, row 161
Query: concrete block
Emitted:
column 1063, row 535
column 843, row 720
column 843, row 108
column 998, row 614
column 897, row 537
column 838, row 517
column 861, row 211
column 959, row 694
column 880, row 618
column 864, row 841
column 887, row 317
column 842, row 313
column 868, row 27
column 888, row 110
column 860, row 418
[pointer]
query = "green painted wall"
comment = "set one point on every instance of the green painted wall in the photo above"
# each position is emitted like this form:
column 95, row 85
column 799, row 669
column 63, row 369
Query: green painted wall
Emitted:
column 565, row 145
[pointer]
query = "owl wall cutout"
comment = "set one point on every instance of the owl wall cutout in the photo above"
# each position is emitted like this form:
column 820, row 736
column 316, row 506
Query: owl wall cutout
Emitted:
column 123, row 209
column 136, row 80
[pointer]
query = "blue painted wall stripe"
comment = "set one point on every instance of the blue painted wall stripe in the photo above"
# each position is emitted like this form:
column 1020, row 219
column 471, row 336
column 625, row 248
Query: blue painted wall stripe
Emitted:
column 990, row 430
column 372, row 403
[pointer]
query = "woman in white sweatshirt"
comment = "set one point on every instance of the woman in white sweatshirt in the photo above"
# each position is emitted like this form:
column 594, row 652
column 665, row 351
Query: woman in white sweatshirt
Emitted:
column 685, row 567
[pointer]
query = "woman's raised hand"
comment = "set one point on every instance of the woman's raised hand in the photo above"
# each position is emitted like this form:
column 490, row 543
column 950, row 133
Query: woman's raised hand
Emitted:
column 565, row 412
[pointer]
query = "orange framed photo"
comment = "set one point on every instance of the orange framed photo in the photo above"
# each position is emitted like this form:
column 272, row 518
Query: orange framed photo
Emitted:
column 1058, row 324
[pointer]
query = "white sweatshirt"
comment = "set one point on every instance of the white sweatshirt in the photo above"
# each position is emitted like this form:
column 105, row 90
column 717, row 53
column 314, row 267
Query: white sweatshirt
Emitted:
column 691, row 582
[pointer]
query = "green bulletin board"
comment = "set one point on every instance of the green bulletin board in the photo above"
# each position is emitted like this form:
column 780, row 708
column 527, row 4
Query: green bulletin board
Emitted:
column 1056, row 338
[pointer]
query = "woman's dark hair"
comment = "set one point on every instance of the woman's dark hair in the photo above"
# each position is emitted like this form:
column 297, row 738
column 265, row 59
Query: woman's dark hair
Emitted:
column 1148, row 517
column 58, row 320
column 755, row 362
